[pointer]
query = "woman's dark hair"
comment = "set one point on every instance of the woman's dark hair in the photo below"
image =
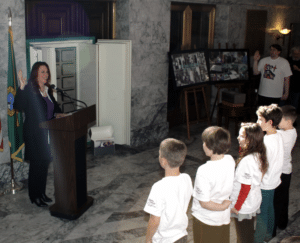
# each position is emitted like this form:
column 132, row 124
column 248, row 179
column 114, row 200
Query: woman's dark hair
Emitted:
column 254, row 144
column 34, row 76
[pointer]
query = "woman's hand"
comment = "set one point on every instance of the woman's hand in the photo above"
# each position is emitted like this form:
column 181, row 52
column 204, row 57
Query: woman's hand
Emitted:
column 22, row 80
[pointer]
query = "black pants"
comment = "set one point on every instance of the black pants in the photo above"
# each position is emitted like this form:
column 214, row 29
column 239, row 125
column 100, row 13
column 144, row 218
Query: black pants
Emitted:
column 38, row 171
column 281, row 202
column 262, row 100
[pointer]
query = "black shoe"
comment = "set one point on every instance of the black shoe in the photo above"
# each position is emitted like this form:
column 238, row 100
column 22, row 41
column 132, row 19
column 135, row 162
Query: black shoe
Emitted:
column 39, row 202
column 45, row 198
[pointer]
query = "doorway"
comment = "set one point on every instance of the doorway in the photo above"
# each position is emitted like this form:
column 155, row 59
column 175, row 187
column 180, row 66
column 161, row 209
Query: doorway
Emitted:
column 192, row 27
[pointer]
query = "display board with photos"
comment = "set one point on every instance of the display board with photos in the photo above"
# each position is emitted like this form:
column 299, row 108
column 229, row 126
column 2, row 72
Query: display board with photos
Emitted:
column 196, row 67
column 189, row 68
column 228, row 65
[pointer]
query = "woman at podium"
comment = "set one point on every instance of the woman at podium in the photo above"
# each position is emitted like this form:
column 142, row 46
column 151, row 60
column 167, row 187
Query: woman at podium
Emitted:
column 36, row 100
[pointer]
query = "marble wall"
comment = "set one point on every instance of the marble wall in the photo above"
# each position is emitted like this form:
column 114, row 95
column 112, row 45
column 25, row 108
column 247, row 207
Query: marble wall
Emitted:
column 147, row 24
column 231, row 17
column 279, row 16
column 230, row 25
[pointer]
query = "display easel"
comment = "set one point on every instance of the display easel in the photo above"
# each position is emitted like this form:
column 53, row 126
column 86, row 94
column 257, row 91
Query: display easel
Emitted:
column 194, row 90
column 224, row 86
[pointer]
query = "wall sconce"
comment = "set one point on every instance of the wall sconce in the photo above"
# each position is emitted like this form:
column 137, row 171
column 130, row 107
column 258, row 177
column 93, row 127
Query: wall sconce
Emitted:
column 285, row 31
column 275, row 34
column 278, row 34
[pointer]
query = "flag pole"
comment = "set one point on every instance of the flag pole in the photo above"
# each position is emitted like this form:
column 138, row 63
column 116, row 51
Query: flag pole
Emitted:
column 13, row 187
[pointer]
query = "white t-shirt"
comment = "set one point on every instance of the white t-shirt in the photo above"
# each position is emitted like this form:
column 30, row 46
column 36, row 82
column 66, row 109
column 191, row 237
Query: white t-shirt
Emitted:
column 169, row 199
column 289, row 139
column 214, row 182
column 273, row 72
column 248, row 173
column 274, row 147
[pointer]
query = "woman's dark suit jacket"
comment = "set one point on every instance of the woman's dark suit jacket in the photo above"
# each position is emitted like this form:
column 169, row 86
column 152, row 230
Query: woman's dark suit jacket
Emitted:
column 31, row 102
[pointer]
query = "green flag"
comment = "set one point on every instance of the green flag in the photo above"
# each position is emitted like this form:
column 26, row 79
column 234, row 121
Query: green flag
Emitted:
column 14, row 118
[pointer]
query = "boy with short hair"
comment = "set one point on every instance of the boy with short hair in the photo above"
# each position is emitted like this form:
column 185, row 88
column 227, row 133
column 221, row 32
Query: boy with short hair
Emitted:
column 169, row 198
column 269, row 118
column 213, row 186
column 281, row 196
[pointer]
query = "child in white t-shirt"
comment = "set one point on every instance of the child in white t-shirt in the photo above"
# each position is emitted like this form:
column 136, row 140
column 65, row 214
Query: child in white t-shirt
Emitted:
column 281, row 196
column 169, row 198
column 213, row 186
column 246, row 194
column 269, row 118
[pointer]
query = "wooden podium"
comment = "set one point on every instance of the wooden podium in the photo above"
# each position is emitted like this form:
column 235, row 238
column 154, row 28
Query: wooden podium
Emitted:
column 68, row 146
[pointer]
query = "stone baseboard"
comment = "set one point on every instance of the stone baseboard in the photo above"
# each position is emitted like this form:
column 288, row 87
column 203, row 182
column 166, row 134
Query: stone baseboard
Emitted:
column 150, row 134
column 21, row 170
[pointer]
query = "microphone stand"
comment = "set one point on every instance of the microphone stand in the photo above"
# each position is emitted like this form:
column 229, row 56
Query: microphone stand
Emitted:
column 72, row 99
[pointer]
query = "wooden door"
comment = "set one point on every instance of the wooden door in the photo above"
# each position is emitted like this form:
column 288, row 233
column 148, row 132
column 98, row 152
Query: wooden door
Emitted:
column 59, row 18
column 192, row 27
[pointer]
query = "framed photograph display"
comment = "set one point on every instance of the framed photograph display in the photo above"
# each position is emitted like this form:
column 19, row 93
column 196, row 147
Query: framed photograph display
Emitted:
column 189, row 68
column 228, row 65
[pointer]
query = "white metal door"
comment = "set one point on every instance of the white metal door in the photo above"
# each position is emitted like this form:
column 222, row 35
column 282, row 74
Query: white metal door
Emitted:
column 45, row 51
column 114, row 87
column 87, row 71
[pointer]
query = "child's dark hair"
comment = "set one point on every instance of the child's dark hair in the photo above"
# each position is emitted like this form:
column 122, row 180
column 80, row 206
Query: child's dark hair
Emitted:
column 217, row 139
column 289, row 113
column 270, row 112
column 174, row 151
column 254, row 137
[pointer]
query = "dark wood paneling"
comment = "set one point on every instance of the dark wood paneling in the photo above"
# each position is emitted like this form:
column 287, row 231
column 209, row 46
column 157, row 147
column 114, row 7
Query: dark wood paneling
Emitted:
column 69, row 18
column 294, row 36
column 256, row 31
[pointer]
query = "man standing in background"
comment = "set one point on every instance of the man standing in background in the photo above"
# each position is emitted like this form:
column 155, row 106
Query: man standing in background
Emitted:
column 275, row 76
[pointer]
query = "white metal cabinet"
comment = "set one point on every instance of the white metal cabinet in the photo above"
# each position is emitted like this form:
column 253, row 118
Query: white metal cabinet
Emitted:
column 103, row 77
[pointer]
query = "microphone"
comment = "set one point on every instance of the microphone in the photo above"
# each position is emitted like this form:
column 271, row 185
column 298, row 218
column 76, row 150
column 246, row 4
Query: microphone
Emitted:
column 63, row 93
column 57, row 89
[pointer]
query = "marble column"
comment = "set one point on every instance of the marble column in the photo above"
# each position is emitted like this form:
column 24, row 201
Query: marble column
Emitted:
column 147, row 24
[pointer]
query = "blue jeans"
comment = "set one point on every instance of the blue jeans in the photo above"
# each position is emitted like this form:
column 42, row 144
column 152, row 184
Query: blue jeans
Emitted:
column 266, row 219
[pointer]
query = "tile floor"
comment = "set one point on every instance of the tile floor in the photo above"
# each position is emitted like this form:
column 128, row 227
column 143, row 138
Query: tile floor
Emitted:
column 120, row 185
